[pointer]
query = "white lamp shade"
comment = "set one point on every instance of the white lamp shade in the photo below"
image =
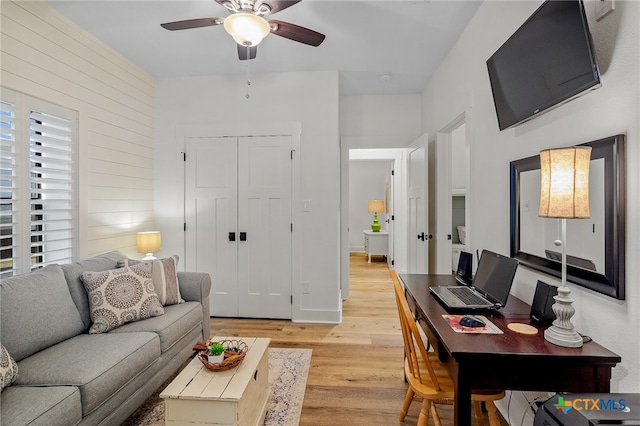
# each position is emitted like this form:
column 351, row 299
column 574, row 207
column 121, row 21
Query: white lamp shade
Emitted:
column 148, row 242
column 246, row 29
column 564, row 184
column 376, row 206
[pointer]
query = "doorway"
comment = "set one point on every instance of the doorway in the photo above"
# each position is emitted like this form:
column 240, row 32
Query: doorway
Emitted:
column 452, row 218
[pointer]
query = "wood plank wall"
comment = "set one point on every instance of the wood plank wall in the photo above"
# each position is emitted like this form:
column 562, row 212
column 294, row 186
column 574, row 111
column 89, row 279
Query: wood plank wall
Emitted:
column 46, row 56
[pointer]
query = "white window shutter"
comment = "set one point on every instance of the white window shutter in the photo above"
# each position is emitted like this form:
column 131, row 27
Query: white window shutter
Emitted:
column 8, row 196
column 51, row 189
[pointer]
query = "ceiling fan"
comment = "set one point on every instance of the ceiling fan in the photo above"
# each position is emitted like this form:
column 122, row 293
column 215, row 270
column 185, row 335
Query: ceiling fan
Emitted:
column 247, row 25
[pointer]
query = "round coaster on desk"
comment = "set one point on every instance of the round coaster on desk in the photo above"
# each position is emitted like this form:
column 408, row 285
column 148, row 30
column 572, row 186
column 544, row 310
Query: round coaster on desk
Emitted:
column 522, row 328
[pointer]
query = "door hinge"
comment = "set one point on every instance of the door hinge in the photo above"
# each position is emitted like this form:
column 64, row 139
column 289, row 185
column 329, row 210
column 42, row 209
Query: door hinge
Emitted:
column 393, row 262
column 184, row 156
column 292, row 151
column 393, row 172
column 393, row 217
column 185, row 226
column 292, row 227
column 292, row 299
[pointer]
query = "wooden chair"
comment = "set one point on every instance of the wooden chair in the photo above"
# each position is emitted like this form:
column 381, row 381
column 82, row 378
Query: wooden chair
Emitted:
column 427, row 376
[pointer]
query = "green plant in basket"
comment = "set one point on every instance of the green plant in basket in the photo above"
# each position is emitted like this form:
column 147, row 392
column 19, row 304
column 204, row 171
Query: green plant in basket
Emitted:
column 216, row 349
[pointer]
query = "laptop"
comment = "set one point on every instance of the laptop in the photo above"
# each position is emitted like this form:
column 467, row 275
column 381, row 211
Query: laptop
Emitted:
column 490, row 288
column 465, row 264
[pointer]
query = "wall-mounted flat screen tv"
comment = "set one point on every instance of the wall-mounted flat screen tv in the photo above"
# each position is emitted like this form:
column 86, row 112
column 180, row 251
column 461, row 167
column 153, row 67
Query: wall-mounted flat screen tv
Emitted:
column 549, row 60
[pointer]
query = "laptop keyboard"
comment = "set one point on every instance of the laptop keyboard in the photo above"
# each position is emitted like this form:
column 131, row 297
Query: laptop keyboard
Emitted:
column 467, row 296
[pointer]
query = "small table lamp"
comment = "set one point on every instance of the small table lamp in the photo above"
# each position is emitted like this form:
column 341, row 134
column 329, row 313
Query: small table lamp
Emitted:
column 564, row 194
column 375, row 207
column 148, row 242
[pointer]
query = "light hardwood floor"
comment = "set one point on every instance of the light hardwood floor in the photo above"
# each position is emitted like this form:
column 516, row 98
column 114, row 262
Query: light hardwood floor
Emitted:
column 356, row 375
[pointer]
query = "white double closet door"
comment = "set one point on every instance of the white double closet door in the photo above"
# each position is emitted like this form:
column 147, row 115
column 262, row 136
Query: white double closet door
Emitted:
column 238, row 222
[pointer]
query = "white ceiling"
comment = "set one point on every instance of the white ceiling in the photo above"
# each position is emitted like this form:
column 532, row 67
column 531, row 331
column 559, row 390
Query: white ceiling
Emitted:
column 365, row 39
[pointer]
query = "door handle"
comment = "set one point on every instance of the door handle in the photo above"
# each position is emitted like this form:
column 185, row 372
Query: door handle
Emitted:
column 243, row 236
column 421, row 236
column 232, row 236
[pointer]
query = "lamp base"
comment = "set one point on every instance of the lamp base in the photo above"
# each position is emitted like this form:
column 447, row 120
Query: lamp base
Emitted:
column 375, row 226
column 149, row 256
column 561, row 332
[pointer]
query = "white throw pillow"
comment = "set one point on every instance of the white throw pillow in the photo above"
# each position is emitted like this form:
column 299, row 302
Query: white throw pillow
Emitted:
column 165, row 278
column 8, row 368
column 119, row 296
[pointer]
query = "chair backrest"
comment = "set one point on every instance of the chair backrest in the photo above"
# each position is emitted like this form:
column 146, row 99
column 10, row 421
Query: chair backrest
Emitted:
column 414, row 347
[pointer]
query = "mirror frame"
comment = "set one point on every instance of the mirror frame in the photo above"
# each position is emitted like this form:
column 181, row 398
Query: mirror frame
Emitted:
column 612, row 282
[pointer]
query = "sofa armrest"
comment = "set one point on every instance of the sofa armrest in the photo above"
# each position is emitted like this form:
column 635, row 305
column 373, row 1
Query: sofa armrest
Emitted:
column 195, row 287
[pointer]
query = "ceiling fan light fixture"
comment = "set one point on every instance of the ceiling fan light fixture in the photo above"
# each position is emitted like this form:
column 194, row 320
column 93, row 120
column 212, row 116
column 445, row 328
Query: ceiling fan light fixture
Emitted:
column 246, row 29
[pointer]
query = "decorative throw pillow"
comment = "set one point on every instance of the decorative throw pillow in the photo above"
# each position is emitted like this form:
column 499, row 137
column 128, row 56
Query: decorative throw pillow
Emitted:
column 119, row 296
column 165, row 278
column 8, row 368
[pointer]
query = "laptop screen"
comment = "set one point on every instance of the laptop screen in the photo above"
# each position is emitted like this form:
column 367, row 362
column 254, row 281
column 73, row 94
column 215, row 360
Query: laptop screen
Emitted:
column 495, row 275
column 464, row 265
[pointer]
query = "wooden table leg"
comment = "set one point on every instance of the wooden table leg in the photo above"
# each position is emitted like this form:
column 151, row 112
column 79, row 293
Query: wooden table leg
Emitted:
column 462, row 411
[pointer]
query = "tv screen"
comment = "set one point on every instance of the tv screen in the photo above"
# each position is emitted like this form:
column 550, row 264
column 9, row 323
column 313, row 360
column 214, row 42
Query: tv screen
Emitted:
column 549, row 60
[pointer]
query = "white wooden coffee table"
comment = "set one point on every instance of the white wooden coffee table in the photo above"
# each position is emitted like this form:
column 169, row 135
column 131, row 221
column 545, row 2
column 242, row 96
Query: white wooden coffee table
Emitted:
column 238, row 396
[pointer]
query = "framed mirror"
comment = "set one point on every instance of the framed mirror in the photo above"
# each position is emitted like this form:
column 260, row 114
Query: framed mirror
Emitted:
column 595, row 247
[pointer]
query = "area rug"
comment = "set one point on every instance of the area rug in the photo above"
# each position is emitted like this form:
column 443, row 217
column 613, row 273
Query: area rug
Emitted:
column 288, row 371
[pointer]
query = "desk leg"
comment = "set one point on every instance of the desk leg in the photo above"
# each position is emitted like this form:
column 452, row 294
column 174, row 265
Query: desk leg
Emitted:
column 462, row 412
column 369, row 257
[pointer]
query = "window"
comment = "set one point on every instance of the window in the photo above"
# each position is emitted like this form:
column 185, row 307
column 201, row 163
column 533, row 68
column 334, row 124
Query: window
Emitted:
column 37, row 214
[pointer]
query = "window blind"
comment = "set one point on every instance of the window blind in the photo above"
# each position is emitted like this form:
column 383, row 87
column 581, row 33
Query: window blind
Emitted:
column 37, row 198
column 7, row 187
column 51, row 189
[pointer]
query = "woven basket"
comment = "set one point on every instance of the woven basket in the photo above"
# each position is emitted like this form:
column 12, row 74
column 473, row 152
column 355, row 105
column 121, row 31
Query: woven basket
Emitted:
column 234, row 353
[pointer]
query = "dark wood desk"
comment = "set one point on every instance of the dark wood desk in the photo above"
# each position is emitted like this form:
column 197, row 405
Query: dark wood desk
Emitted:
column 504, row 361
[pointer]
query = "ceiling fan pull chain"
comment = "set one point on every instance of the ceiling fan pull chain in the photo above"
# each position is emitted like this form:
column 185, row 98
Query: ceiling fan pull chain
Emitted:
column 248, row 73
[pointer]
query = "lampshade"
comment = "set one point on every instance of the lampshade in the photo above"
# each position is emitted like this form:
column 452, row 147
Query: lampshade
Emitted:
column 564, row 185
column 246, row 29
column 376, row 206
column 148, row 242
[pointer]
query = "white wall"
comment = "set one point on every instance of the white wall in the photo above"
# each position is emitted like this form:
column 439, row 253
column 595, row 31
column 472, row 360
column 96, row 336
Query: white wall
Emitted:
column 48, row 57
column 461, row 82
column 366, row 182
column 308, row 98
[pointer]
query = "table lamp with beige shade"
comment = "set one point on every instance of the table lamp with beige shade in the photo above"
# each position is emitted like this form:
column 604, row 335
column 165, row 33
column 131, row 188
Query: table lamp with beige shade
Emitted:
column 564, row 194
column 375, row 207
column 149, row 242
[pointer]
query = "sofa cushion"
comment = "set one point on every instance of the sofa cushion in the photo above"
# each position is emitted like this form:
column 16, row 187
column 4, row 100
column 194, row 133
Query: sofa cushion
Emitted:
column 98, row 364
column 165, row 278
column 176, row 322
column 8, row 368
column 37, row 311
column 73, row 272
column 41, row 406
column 119, row 296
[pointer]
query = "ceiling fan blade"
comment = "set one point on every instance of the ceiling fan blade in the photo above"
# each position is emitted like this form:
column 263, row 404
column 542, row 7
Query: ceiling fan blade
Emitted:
column 245, row 53
column 296, row 33
column 278, row 5
column 192, row 23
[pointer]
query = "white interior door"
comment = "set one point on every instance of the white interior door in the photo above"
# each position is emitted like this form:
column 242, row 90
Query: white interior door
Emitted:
column 211, row 191
column 238, row 222
column 264, row 215
column 389, row 205
column 418, row 211
column 443, row 204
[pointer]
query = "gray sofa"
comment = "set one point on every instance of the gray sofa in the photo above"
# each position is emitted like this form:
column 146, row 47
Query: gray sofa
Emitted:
column 67, row 376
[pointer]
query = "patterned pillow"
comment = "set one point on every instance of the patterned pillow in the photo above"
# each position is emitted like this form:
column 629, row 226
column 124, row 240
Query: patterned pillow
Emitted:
column 165, row 279
column 119, row 296
column 8, row 368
